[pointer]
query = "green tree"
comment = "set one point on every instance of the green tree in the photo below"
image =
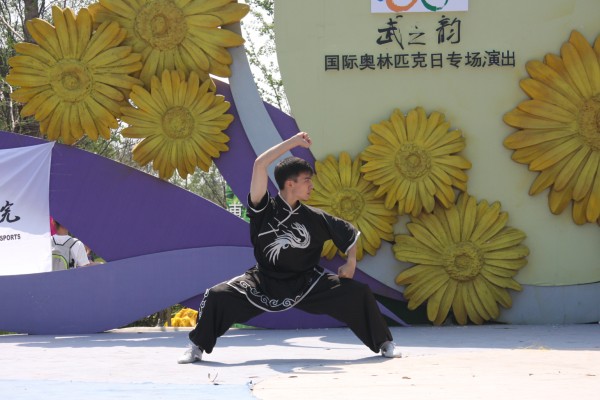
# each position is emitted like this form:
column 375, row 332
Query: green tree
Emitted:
column 211, row 185
column 259, row 31
column 12, row 14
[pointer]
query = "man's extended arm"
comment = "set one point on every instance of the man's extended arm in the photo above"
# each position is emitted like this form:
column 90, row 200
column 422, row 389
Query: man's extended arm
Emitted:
column 347, row 270
column 260, row 175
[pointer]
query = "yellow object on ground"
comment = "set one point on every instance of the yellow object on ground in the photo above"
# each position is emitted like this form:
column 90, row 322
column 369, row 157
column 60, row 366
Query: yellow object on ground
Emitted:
column 185, row 317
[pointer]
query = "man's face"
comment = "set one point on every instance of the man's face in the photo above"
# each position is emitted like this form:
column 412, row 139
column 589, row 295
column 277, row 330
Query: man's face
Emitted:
column 302, row 186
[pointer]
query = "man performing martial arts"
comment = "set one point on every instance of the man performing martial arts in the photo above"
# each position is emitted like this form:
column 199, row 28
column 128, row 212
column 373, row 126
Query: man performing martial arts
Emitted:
column 288, row 238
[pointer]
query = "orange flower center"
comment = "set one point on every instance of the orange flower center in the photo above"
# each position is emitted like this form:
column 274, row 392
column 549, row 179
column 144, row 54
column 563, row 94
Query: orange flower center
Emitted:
column 70, row 80
column 589, row 123
column 348, row 204
column 178, row 123
column 161, row 24
column 463, row 261
column 412, row 161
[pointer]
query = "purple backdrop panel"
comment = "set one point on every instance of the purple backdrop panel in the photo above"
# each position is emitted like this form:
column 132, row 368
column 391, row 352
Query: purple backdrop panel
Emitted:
column 298, row 319
column 376, row 286
column 294, row 319
column 121, row 212
column 102, row 297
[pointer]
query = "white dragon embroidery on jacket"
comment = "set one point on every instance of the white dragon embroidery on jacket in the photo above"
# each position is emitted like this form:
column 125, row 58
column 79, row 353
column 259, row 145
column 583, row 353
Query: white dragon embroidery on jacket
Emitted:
column 288, row 239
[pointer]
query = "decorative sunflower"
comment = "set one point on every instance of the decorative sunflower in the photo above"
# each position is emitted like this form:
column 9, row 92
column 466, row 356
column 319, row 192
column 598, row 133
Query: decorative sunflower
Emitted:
column 412, row 161
column 340, row 190
column 559, row 128
column 180, row 122
column 73, row 81
column 466, row 258
column 183, row 35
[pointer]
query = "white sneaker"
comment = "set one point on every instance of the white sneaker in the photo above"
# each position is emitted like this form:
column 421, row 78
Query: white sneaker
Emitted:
column 192, row 354
column 389, row 350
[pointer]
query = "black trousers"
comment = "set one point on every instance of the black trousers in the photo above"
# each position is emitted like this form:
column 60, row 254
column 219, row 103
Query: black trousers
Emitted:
column 346, row 300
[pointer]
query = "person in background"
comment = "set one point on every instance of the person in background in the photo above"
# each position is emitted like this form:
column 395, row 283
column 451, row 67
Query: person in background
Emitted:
column 52, row 227
column 67, row 251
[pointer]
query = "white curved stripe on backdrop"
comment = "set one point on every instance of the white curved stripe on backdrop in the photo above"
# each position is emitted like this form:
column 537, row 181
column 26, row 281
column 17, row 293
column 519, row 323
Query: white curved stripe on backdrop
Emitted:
column 257, row 123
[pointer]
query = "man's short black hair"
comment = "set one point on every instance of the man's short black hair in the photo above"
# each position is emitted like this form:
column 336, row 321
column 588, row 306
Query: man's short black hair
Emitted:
column 290, row 168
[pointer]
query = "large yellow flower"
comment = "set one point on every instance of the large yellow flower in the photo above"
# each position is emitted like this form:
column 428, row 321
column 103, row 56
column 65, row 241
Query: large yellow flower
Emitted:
column 340, row 190
column 73, row 81
column 466, row 258
column 559, row 128
column 412, row 160
column 180, row 121
column 182, row 35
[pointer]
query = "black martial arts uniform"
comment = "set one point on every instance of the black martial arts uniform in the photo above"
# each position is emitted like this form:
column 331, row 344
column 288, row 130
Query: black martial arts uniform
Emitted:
column 287, row 247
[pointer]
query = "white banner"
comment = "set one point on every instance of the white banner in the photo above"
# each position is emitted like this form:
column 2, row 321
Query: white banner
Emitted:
column 404, row 6
column 25, row 210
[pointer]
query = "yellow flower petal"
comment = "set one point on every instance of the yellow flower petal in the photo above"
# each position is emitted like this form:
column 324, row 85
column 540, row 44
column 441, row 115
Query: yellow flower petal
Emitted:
column 458, row 306
column 546, row 110
column 446, row 302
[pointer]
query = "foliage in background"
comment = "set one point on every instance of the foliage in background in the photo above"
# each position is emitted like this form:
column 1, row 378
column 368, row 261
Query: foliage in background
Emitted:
column 259, row 31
